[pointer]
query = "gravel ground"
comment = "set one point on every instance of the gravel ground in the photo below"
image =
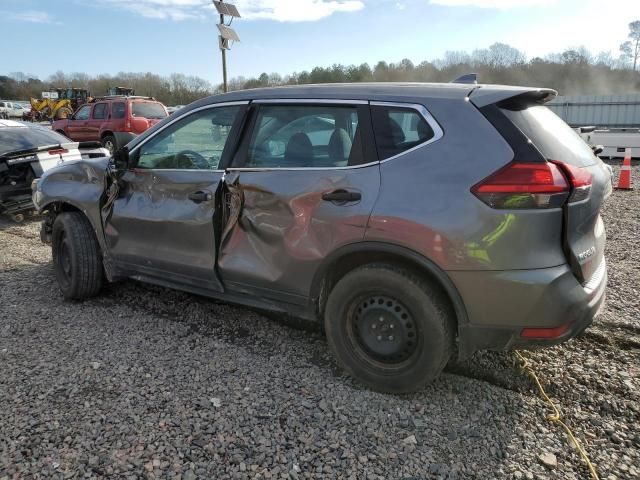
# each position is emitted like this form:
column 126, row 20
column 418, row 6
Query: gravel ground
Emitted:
column 147, row 382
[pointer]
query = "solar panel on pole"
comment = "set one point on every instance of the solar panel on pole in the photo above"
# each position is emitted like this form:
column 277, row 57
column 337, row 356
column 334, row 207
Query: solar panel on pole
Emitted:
column 226, row 9
column 228, row 33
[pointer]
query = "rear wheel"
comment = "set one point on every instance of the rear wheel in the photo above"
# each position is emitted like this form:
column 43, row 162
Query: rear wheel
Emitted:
column 388, row 328
column 109, row 142
column 62, row 113
column 76, row 256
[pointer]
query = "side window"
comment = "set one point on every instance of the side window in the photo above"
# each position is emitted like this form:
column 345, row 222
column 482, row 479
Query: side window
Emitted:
column 100, row 111
column 194, row 143
column 287, row 136
column 398, row 129
column 83, row 113
column 117, row 110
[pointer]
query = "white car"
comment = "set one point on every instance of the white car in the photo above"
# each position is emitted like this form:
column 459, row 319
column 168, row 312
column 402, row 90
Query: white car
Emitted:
column 12, row 110
column 26, row 152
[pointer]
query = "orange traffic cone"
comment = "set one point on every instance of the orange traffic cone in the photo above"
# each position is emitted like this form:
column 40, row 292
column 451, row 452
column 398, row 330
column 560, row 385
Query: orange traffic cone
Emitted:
column 624, row 182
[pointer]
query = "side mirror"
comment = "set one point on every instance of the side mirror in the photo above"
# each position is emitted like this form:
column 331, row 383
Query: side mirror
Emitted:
column 597, row 149
column 121, row 158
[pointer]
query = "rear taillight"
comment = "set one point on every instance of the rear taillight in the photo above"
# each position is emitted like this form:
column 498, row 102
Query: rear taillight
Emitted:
column 524, row 185
column 580, row 180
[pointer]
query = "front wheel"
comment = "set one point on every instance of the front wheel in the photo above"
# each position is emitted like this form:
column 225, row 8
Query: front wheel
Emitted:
column 389, row 328
column 109, row 142
column 76, row 256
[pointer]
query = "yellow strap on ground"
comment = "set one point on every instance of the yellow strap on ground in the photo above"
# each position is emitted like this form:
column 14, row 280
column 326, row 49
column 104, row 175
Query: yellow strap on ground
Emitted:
column 555, row 415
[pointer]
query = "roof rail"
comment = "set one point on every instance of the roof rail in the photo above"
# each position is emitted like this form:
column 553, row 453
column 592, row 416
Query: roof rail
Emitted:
column 110, row 97
column 469, row 78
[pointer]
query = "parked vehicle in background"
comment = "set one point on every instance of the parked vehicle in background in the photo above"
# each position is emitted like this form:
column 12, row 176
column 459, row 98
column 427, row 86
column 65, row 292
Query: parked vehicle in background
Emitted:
column 11, row 110
column 28, row 150
column 58, row 103
column 614, row 141
column 125, row 91
column 416, row 221
column 174, row 109
column 114, row 120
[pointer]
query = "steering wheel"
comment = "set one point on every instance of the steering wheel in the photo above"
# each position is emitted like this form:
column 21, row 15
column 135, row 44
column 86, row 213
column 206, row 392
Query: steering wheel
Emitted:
column 194, row 158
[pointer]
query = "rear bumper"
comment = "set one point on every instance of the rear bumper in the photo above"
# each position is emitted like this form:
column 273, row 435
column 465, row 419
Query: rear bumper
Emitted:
column 501, row 304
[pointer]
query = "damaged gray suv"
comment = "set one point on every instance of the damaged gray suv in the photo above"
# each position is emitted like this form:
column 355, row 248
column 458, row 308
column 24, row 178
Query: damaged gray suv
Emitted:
column 416, row 221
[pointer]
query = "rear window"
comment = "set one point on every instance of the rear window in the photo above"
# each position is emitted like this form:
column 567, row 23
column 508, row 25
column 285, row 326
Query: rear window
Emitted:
column 551, row 135
column 148, row 110
column 398, row 130
column 23, row 138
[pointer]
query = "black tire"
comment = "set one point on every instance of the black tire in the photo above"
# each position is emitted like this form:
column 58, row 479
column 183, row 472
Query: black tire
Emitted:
column 109, row 142
column 76, row 256
column 414, row 338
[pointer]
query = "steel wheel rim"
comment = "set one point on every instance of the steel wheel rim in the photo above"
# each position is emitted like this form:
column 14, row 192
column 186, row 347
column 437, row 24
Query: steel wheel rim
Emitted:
column 64, row 258
column 383, row 330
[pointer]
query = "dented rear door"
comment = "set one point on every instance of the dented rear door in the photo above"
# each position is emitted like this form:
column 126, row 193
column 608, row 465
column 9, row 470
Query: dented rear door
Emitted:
column 302, row 184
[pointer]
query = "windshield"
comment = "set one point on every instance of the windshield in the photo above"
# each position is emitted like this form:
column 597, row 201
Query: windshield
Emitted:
column 23, row 138
column 148, row 110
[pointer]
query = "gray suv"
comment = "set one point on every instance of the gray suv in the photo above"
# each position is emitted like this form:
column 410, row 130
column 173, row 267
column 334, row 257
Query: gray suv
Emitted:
column 416, row 221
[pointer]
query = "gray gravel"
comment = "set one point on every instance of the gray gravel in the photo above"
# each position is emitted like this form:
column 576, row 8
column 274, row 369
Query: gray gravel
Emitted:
column 147, row 382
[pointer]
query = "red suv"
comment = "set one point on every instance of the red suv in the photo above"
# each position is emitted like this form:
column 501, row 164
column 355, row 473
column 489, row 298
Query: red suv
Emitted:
column 113, row 121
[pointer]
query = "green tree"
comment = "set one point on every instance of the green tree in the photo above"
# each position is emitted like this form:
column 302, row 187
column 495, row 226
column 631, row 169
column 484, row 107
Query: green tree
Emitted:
column 631, row 48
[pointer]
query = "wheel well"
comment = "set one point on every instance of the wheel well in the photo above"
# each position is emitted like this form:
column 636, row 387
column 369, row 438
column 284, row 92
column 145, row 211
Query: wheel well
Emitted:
column 53, row 210
column 414, row 263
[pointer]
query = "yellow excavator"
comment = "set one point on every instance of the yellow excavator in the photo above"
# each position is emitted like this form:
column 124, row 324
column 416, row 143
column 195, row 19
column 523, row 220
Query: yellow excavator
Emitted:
column 63, row 105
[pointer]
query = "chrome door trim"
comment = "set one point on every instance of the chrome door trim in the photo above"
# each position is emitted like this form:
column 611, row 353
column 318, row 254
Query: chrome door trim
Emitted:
column 307, row 101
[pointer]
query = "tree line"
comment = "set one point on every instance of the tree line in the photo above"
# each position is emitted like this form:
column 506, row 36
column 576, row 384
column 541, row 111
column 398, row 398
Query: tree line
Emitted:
column 571, row 72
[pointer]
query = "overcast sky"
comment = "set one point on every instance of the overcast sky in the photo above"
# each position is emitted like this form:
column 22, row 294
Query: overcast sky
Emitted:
column 165, row 36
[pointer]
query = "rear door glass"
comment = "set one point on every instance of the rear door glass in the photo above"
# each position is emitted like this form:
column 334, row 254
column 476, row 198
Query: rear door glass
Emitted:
column 309, row 136
column 551, row 135
column 398, row 129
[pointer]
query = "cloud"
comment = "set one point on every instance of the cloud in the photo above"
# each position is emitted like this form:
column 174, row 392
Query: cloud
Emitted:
column 494, row 4
column 296, row 10
column 279, row 10
column 162, row 9
column 33, row 16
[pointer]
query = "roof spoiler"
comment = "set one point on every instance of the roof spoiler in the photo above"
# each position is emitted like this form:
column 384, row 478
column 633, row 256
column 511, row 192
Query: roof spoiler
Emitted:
column 511, row 97
column 468, row 79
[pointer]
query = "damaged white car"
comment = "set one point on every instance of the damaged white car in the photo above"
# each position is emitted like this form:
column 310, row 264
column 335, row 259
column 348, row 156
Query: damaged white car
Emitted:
column 28, row 150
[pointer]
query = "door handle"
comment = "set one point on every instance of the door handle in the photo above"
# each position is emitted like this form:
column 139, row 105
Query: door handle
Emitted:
column 341, row 196
column 200, row 196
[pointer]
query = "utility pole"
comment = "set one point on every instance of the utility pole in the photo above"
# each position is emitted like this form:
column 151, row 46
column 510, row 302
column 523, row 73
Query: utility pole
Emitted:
column 227, row 34
column 224, row 57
